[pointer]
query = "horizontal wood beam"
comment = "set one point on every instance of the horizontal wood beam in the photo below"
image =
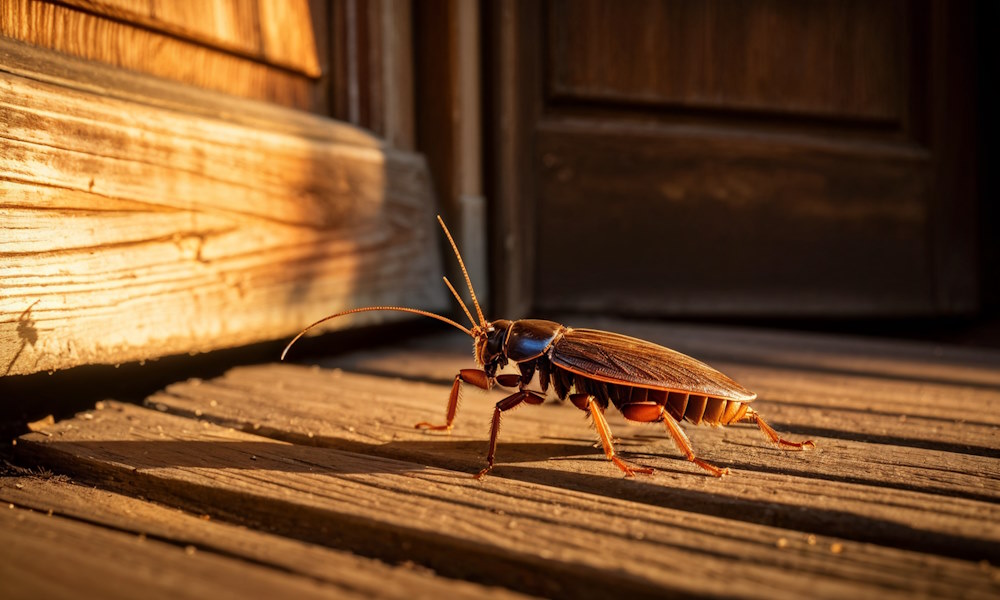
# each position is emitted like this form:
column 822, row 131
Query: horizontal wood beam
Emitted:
column 141, row 218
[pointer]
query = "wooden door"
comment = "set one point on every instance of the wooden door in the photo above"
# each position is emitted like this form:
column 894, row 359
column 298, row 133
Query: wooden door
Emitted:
column 735, row 158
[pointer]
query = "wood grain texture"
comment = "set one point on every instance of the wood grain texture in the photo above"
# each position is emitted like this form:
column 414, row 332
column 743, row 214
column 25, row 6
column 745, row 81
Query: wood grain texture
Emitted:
column 834, row 59
column 769, row 158
column 210, row 45
column 227, row 23
column 851, row 479
column 526, row 536
column 696, row 220
column 82, row 561
column 348, row 575
column 69, row 72
column 372, row 79
column 286, row 33
column 133, row 231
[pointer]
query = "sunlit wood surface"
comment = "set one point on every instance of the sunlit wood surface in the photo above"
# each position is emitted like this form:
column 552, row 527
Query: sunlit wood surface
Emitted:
column 140, row 218
column 261, row 49
column 313, row 477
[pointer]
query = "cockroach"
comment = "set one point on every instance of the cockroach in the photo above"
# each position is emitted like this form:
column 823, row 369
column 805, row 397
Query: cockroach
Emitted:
column 645, row 381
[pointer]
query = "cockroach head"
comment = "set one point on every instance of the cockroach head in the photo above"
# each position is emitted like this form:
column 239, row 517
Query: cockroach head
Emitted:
column 490, row 343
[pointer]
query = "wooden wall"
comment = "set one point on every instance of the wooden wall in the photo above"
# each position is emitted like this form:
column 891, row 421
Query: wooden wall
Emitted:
column 142, row 218
column 261, row 49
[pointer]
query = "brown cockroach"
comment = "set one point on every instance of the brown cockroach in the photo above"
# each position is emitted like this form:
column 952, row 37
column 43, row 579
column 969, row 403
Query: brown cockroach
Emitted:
column 646, row 382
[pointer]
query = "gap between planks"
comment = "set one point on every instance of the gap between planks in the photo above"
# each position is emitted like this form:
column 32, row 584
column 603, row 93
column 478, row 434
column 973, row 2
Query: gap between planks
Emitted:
column 528, row 537
column 52, row 557
column 881, row 494
column 287, row 565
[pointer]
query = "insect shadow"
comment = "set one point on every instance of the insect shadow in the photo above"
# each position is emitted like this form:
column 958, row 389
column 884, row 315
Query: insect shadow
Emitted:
column 26, row 331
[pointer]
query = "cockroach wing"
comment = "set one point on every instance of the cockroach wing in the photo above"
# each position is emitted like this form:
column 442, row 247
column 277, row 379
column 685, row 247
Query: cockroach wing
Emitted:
column 624, row 360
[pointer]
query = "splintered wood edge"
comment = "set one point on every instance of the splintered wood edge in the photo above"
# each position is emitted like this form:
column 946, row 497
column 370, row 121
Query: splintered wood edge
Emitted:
column 136, row 233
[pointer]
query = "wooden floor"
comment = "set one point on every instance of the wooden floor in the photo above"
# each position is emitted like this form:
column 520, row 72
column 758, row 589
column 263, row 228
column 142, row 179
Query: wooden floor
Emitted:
column 312, row 481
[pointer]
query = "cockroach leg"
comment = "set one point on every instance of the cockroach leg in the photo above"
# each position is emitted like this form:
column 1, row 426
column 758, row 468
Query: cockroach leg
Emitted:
column 601, row 425
column 772, row 435
column 512, row 401
column 476, row 377
column 684, row 444
column 582, row 401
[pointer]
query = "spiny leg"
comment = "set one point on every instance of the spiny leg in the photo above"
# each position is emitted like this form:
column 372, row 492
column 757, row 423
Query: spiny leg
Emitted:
column 604, row 432
column 476, row 377
column 504, row 405
column 684, row 444
column 772, row 435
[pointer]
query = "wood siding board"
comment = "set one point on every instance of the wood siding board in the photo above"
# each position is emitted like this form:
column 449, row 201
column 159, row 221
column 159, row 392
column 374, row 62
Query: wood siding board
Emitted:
column 286, row 33
column 145, row 49
column 276, row 33
column 97, row 79
column 228, row 23
column 136, row 231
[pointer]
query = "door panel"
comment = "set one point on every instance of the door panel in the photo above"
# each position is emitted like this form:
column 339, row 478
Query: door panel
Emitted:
column 835, row 59
column 711, row 221
column 738, row 158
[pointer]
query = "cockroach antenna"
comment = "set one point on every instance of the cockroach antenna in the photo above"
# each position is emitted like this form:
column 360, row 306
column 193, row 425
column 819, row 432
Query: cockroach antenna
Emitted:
column 405, row 309
column 460, row 301
column 461, row 263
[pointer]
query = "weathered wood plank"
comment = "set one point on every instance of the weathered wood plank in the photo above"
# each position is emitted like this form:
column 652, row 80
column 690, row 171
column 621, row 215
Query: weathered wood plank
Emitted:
column 348, row 574
column 277, row 18
column 211, row 52
column 877, row 493
column 52, row 557
column 128, row 229
column 526, row 536
column 227, row 24
column 71, row 73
